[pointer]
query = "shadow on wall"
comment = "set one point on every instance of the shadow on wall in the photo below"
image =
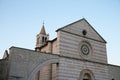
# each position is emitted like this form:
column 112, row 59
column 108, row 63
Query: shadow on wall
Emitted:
column 3, row 69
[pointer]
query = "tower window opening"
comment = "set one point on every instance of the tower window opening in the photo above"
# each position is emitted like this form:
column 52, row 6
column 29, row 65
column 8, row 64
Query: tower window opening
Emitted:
column 45, row 39
column 42, row 39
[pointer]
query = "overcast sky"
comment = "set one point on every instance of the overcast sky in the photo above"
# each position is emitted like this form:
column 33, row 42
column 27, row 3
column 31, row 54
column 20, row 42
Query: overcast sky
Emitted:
column 21, row 20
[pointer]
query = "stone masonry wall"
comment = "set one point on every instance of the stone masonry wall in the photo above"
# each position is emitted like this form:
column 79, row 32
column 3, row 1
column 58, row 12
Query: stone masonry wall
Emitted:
column 114, row 72
column 69, row 46
column 69, row 69
column 24, row 63
column 3, row 69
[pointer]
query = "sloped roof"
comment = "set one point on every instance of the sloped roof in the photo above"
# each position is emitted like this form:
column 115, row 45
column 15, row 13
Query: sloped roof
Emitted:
column 83, row 19
column 43, row 30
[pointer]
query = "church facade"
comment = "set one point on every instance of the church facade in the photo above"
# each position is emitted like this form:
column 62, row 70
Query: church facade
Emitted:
column 77, row 53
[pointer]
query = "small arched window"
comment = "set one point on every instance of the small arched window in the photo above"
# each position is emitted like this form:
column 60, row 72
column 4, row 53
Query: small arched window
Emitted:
column 86, row 76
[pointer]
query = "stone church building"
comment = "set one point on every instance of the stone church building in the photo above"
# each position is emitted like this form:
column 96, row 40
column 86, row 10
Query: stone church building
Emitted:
column 77, row 53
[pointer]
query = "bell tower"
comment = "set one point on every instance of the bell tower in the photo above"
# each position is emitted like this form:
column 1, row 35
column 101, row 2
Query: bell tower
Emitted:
column 42, row 37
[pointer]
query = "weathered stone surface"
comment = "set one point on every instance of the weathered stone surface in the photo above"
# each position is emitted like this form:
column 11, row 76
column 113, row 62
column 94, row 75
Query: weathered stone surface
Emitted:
column 3, row 69
column 114, row 72
column 71, row 68
column 69, row 45
column 24, row 64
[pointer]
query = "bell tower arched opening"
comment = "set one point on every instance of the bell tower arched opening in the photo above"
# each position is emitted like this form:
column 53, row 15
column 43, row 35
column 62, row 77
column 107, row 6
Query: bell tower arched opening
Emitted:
column 41, row 38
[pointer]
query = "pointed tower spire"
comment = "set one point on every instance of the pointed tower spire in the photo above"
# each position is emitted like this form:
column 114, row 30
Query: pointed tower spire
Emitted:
column 42, row 37
column 43, row 30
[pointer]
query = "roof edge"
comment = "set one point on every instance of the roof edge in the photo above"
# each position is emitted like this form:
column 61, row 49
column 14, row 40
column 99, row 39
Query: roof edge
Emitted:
column 69, row 24
column 88, row 24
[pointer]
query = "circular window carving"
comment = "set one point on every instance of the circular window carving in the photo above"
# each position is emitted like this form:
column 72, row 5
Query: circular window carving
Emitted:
column 85, row 49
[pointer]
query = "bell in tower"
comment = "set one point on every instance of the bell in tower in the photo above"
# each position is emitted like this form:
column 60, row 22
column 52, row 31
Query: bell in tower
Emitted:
column 41, row 38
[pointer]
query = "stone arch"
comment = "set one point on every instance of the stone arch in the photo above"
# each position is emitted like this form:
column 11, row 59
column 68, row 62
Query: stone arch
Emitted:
column 41, row 65
column 86, row 73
